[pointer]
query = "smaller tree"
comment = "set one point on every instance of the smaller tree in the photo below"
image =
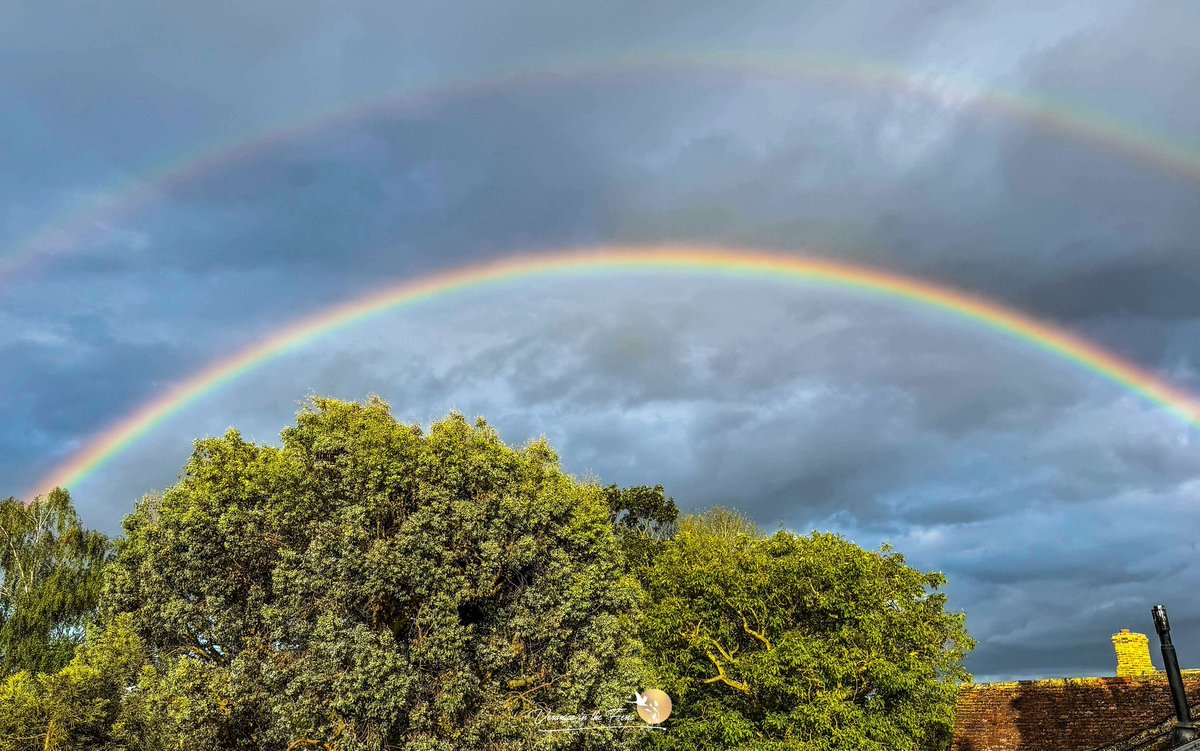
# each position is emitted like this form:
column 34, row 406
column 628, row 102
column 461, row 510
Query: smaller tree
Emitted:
column 78, row 707
column 642, row 518
column 50, row 580
column 799, row 642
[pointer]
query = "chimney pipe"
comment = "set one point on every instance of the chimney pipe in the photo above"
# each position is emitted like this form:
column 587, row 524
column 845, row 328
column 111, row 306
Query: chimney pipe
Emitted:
column 1184, row 730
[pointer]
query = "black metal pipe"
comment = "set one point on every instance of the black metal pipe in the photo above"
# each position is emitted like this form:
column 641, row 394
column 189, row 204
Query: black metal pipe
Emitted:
column 1184, row 729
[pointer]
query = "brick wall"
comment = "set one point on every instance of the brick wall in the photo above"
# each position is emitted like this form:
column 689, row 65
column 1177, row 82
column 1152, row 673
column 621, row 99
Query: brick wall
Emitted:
column 1078, row 714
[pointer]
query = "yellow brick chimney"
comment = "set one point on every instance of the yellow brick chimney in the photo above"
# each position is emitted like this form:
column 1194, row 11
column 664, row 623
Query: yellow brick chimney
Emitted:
column 1133, row 654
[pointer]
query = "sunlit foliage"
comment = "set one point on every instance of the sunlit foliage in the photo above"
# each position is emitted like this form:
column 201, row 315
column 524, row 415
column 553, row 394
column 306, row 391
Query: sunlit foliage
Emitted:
column 372, row 586
column 50, row 575
column 799, row 642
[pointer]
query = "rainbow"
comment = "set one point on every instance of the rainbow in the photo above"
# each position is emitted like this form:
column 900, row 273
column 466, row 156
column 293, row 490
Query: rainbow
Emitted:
column 66, row 233
column 746, row 264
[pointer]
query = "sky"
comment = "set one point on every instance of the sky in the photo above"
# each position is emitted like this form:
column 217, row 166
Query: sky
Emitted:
column 180, row 180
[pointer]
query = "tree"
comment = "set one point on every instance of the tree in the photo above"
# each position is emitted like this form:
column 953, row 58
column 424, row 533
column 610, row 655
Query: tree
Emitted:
column 370, row 586
column 50, row 579
column 642, row 517
column 799, row 642
column 79, row 706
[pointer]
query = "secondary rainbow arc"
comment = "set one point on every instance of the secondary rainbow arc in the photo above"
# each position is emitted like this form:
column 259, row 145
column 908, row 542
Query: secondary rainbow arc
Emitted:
column 1158, row 149
column 776, row 267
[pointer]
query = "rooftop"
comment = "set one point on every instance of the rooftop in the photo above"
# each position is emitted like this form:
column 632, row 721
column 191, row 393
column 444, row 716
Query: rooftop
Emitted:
column 1128, row 713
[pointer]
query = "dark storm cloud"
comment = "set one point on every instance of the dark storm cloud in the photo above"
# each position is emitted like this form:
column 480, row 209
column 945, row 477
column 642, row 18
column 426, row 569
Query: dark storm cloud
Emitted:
column 1086, row 217
column 69, row 391
column 1039, row 623
column 390, row 197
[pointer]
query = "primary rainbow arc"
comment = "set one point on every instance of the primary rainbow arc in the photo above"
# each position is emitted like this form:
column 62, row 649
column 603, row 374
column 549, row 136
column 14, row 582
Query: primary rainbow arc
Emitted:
column 775, row 267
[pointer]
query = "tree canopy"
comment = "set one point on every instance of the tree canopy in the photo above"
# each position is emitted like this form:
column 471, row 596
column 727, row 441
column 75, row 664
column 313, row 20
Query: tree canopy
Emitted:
column 50, row 578
column 81, row 706
column 373, row 586
column 643, row 518
column 789, row 642
column 373, row 583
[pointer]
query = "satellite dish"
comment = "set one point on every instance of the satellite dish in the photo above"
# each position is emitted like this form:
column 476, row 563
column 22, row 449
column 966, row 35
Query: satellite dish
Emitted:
column 653, row 706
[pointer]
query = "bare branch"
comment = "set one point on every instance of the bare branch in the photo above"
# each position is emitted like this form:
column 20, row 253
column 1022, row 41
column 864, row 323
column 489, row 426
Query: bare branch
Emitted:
column 721, row 677
column 761, row 635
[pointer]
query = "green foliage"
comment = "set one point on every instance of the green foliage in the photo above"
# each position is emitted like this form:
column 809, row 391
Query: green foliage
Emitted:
column 79, row 706
column 370, row 586
column 643, row 518
column 798, row 642
column 50, row 578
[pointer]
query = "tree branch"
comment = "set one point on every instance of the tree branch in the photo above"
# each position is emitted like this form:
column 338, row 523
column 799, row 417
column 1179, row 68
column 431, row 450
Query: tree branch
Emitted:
column 761, row 635
column 721, row 677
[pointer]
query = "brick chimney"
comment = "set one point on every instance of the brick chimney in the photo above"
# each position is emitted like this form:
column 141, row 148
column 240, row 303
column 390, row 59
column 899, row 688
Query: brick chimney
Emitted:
column 1133, row 654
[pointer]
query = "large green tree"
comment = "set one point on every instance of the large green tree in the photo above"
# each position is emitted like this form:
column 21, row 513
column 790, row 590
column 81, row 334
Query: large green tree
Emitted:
column 794, row 642
column 369, row 585
column 50, row 578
